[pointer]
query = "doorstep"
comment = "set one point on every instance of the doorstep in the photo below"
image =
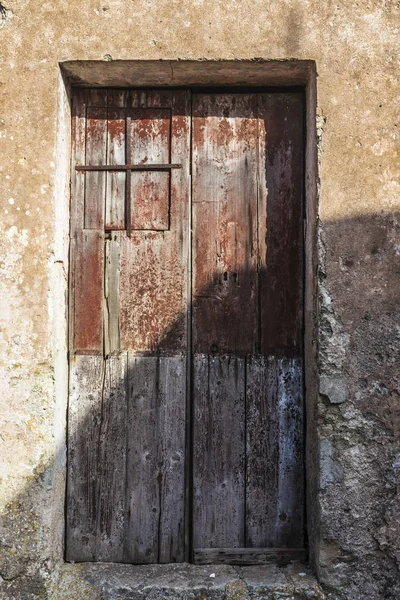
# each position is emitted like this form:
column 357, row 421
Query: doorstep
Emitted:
column 106, row 581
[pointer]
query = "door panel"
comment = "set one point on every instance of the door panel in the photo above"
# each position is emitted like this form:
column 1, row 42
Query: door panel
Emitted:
column 185, row 421
column 248, row 462
column 127, row 413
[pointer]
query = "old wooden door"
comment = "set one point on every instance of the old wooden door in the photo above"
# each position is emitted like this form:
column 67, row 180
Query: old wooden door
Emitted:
column 185, row 426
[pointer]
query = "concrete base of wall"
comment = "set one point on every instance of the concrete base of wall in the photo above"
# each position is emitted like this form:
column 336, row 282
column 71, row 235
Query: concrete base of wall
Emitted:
column 185, row 582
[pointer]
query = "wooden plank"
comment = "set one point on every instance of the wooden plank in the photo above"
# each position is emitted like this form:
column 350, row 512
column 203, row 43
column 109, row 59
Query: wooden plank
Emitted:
column 149, row 142
column 248, row 556
column 84, row 418
column 262, row 450
column 156, row 452
column 111, row 294
column 281, row 133
column 218, row 451
column 96, row 458
column 78, row 157
column 224, row 222
column 153, row 280
column 289, row 527
column 96, row 154
column 111, row 468
column 275, row 453
column 88, row 269
column 115, row 192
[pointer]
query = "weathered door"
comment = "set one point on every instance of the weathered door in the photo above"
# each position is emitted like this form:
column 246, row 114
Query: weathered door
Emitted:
column 185, row 426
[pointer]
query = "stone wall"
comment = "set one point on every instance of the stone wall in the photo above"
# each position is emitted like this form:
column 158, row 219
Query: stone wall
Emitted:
column 355, row 47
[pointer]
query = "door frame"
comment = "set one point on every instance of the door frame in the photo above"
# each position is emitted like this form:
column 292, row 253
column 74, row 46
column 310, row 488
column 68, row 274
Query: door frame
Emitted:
column 251, row 74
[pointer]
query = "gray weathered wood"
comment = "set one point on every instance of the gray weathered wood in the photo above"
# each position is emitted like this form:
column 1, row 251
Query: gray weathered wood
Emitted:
column 156, row 451
column 111, row 468
column 96, row 458
column 248, row 556
column 84, row 418
column 218, row 451
column 289, row 525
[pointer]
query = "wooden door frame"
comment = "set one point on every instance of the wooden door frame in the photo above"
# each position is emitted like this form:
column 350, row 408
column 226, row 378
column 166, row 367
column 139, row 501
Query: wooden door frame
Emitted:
column 250, row 74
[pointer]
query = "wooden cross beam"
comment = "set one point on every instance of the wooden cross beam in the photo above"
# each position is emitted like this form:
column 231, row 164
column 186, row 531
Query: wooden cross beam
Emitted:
column 128, row 168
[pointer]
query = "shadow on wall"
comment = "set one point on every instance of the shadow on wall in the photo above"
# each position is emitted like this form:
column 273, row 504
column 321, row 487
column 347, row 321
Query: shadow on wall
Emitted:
column 359, row 483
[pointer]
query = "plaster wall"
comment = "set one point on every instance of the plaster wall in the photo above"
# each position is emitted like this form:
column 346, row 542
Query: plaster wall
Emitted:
column 355, row 47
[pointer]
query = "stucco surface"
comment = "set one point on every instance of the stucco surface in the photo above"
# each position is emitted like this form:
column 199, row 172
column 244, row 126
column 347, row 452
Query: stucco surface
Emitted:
column 355, row 46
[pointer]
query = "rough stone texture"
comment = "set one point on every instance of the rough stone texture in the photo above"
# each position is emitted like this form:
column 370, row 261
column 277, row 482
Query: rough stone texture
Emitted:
column 355, row 45
column 185, row 582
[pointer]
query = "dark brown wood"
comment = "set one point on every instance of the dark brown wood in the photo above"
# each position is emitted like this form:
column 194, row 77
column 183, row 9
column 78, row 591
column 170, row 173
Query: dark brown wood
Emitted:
column 224, row 223
column 281, row 134
column 248, row 556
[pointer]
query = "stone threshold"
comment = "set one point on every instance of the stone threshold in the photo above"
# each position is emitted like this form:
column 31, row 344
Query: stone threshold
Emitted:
column 105, row 581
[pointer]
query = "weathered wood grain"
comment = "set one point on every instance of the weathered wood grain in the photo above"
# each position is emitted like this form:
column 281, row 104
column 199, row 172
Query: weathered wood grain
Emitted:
column 116, row 181
column 224, row 222
column 88, row 286
column 96, row 458
column 248, row 556
column 262, row 451
column 153, row 276
column 281, row 132
column 96, row 154
column 289, row 525
column 275, row 453
column 218, row 451
column 149, row 142
column 111, row 293
column 156, row 454
column 84, row 417
column 111, row 468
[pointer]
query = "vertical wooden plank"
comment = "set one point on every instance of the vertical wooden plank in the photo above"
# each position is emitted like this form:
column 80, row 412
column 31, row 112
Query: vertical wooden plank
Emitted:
column 88, row 292
column 115, row 191
column 77, row 196
column 111, row 294
column 262, row 451
column 281, row 260
column 289, row 527
column 84, row 418
column 142, row 504
column 218, row 451
column 150, row 143
column 171, row 435
column 96, row 154
column 111, row 468
column 275, row 453
column 153, row 284
column 224, row 222
column 156, row 453
column 78, row 158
